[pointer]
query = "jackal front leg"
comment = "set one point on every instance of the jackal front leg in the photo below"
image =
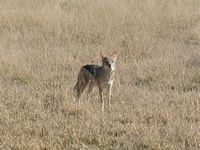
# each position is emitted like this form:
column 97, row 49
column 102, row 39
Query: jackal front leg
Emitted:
column 101, row 97
column 108, row 93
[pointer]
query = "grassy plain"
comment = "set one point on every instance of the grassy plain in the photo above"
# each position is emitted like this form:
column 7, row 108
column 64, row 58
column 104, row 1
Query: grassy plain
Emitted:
column 156, row 93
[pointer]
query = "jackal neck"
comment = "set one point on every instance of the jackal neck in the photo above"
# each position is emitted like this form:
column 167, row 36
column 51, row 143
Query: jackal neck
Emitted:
column 107, row 72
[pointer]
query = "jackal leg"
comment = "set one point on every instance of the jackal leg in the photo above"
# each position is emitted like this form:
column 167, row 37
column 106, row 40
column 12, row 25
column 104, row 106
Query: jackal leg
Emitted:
column 108, row 93
column 90, row 88
column 101, row 97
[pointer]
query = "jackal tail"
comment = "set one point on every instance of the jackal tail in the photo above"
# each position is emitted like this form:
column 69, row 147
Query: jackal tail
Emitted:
column 80, row 85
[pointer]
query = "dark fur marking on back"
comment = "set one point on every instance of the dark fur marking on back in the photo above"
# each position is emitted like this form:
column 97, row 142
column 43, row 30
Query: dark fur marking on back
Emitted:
column 93, row 69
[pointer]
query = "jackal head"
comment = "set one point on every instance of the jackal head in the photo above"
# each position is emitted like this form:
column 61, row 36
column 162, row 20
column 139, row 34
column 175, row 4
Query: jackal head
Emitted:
column 108, row 62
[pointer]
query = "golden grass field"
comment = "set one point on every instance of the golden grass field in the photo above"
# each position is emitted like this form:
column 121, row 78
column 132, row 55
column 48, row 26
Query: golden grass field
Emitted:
column 156, row 92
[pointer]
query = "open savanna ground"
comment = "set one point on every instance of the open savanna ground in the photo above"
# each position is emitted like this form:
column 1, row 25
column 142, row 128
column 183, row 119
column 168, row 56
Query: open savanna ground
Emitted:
column 156, row 92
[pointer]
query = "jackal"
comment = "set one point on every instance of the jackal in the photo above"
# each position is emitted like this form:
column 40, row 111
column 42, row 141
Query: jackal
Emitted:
column 94, row 75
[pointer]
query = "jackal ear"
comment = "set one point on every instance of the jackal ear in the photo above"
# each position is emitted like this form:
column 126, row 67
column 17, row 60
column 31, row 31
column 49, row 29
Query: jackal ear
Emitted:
column 114, row 54
column 102, row 54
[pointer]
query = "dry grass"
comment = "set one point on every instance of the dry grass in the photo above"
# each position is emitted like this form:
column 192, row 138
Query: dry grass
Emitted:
column 156, row 100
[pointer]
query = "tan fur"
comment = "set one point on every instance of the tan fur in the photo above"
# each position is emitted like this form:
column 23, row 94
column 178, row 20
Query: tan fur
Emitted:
column 100, row 76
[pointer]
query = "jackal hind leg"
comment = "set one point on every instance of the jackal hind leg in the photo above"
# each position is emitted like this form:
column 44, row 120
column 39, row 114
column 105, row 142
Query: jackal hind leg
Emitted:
column 90, row 88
